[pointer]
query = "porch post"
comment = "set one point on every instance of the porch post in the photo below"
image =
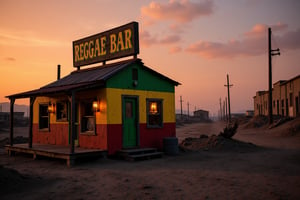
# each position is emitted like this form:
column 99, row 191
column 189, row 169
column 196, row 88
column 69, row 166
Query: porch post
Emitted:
column 73, row 125
column 32, row 99
column 11, row 135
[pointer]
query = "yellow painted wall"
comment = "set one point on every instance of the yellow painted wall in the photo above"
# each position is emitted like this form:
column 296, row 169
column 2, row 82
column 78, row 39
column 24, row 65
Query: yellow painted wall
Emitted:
column 114, row 104
column 101, row 117
column 100, row 95
column 111, row 105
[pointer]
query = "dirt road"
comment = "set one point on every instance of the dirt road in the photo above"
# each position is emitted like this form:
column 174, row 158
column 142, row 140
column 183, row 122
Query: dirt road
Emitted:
column 271, row 172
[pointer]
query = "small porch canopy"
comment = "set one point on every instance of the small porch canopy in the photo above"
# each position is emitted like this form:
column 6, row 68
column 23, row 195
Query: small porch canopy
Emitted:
column 79, row 80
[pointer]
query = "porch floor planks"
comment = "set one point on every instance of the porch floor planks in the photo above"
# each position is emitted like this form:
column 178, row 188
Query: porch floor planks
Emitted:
column 55, row 151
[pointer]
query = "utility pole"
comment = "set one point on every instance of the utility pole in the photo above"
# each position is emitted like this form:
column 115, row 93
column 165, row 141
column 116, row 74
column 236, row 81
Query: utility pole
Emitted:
column 228, row 96
column 226, row 115
column 274, row 52
column 188, row 107
column 181, row 106
column 224, row 119
column 220, row 109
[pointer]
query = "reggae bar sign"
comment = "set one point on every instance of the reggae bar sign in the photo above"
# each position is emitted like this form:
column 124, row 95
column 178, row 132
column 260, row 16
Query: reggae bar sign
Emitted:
column 112, row 44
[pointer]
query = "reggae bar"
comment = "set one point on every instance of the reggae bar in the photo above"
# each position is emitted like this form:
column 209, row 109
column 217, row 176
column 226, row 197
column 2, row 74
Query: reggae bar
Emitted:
column 117, row 108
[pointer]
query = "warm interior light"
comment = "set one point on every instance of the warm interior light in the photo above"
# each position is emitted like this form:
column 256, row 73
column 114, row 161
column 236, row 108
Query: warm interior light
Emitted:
column 96, row 106
column 153, row 107
column 51, row 108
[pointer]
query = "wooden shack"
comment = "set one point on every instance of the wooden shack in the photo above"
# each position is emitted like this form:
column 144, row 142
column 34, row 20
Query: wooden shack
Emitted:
column 122, row 105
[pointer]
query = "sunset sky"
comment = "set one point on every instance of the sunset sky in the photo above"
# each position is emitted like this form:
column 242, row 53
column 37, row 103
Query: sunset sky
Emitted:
column 195, row 42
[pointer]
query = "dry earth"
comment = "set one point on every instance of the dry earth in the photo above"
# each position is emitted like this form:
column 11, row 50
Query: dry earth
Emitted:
column 270, row 170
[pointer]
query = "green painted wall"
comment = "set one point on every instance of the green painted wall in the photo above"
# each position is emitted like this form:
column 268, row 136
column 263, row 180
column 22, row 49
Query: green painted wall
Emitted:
column 146, row 80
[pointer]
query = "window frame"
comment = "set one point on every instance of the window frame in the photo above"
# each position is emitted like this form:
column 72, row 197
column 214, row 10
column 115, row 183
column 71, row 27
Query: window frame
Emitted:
column 63, row 119
column 159, row 102
column 84, row 117
column 44, row 129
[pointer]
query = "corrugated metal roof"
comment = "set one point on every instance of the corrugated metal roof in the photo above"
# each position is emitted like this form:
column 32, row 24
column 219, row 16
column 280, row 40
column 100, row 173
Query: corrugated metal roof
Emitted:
column 90, row 75
column 85, row 78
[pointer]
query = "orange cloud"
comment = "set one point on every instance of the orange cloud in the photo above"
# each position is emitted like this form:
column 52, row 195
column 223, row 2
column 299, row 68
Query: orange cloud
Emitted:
column 178, row 11
column 25, row 38
column 175, row 49
column 10, row 59
column 252, row 44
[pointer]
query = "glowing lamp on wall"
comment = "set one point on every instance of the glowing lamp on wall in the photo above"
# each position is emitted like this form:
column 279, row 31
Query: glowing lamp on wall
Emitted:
column 153, row 107
column 96, row 106
column 51, row 108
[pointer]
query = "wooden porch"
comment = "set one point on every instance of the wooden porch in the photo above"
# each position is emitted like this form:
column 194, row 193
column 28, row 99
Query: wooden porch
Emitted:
column 55, row 151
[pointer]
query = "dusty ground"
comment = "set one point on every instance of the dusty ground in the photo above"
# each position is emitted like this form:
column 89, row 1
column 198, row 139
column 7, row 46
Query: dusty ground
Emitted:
column 270, row 171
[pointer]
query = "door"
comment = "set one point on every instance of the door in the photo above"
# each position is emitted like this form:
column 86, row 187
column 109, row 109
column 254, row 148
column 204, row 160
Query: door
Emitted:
column 130, row 122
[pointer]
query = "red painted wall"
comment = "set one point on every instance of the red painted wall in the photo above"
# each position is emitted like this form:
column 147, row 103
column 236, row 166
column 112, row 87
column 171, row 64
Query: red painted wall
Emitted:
column 98, row 141
column 114, row 138
column 108, row 137
column 153, row 137
column 58, row 135
column 149, row 137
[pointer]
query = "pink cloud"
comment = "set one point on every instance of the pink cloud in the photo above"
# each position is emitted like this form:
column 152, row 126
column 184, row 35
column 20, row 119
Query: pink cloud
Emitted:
column 253, row 43
column 178, row 11
column 259, row 30
column 147, row 39
column 175, row 49
column 170, row 39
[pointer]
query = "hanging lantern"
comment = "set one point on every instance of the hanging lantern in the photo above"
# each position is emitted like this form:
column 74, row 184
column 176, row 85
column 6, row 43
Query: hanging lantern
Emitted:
column 51, row 108
column 153, row 107
column 96, row 106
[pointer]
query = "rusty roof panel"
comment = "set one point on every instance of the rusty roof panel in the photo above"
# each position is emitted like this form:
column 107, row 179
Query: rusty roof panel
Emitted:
column 84, row 79
column 95, row 74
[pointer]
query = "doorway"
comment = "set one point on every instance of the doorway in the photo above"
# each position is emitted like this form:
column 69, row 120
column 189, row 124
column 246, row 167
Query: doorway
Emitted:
column 130, row 121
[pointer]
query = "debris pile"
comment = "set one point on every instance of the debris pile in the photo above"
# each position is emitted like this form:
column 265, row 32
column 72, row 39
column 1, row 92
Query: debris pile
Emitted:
column 229, row 130
column 215, row 142
column 17, row 140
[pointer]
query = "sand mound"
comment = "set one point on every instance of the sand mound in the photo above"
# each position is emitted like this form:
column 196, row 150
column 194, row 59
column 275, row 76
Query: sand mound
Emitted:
column 294, row 125
column 11, row 180
column 256, row 122
column 17, row 140
column 286, row 127
column 215, row 142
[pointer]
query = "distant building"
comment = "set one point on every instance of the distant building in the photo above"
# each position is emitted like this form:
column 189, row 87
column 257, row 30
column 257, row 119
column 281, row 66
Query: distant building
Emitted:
column 285, row 99
column 249, row 113
column 4, row 116
column 201, row 114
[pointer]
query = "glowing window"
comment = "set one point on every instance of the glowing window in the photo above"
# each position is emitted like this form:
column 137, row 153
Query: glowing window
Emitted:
column 154, row 113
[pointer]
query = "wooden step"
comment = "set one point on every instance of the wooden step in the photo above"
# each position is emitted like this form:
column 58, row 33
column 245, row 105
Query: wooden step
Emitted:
column 139, row 154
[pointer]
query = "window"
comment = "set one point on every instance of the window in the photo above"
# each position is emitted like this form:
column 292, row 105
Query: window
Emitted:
column 287, row 107
column 291, row 99
column 154, row 113
column 61, row 111
column 88, row 118
column 135, row 74
column 282, row 107
column 43, row 117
